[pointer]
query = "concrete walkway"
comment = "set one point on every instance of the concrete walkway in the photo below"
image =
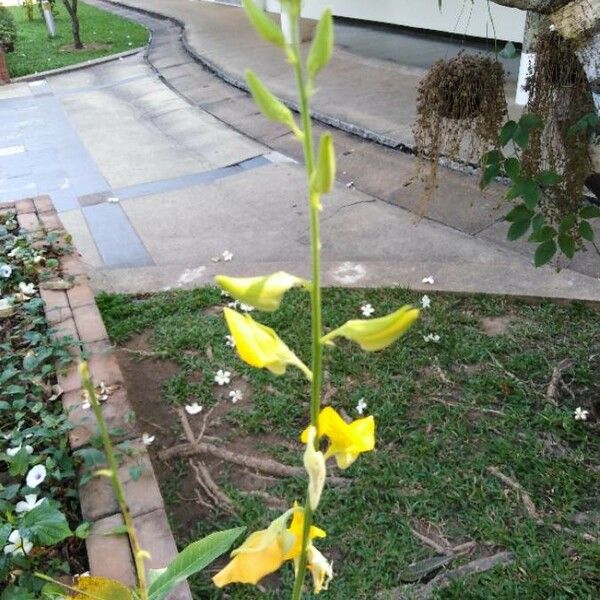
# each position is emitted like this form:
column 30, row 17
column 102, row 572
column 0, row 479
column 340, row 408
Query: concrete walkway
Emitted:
column 154, row 189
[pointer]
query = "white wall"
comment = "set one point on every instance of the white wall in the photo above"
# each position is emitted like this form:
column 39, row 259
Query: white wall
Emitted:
column 457, row 16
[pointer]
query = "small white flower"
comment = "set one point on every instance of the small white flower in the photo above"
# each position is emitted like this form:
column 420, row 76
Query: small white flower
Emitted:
column 36, row 476
column 233, row 304
column 38, row 258
column 222, row 377
column 246, row 307
column 360, row 407
column 224, row 294
column 5, row 271
column 581, row 414
column 86, row 404
column 147, row 439
column 367, row 310
column 432, row 337
column 193, row 409
column 236, row 395
column 27, row 289
column 17, row 545
column 14, row 451
column 425, row 301
column 227, row 256
column 29, row 503
column 429, row 279
column 112, row 199
column 229, row 341
column 130, row 43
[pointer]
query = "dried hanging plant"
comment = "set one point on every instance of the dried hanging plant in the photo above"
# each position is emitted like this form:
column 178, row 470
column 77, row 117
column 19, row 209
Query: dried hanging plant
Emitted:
column 559, row 94
column 461, row 107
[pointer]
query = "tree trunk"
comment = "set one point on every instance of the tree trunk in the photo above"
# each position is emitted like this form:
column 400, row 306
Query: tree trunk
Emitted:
column 71, row 6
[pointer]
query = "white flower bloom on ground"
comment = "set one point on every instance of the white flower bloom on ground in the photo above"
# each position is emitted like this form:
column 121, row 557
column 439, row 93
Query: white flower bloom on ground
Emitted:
column 29, row 503
column 429, row 279
column 17, row 545
column 14, row 451
column 224, row 294
column 425, row 301
column 27, row 289
column 227, row 256
column 229, row 341
column 147, row 439
column 432, row 337
column 246, row 307
column 367, row 310
column 38, row 258
column 360, row 407
column 5, row 271
column 581, row 414
column 36, row 476
column 233, row 304
column 236, row 395
column 193, row 409
column 222, row 377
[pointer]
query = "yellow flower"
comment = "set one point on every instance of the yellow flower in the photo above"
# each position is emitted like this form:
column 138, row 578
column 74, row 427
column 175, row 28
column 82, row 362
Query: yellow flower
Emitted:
column 264, row 293
column 260, row 346
column 265, row 551
column 376, row 334
column 346, row 440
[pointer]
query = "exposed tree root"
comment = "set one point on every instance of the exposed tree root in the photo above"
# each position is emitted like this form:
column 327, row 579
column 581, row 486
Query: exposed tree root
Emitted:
column 556, row 379
column 515, row 485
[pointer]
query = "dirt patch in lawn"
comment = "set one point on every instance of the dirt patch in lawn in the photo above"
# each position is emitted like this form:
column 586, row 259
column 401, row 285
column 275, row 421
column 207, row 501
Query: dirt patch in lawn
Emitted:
column 194, row 497
column 91, row 46
column 496, row 325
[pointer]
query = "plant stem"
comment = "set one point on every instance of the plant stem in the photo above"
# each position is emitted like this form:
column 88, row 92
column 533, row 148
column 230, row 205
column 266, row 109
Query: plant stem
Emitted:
column 316, row 321
column 138, row 553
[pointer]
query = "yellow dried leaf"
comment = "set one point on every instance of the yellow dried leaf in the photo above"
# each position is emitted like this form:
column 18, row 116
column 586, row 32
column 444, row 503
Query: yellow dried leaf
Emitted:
column 101, row 588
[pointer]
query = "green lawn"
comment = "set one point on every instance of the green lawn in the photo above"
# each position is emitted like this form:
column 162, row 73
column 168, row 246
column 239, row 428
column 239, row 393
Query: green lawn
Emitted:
column 103, row 33
column 444, row 411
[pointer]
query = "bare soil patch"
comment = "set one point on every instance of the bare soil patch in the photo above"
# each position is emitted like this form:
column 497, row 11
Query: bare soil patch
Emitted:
column 86, row 48
column 496, row 325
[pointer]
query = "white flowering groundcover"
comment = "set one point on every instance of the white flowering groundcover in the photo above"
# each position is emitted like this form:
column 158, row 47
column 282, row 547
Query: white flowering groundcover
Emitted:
column 40, row 525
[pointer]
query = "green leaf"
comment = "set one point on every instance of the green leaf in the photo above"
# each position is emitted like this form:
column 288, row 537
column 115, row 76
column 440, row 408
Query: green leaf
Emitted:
column 270, row 106
column 30, row 362
column 135, row 472
column 83, row 530
column 263, row 24
column 118, row 530
column 5, row 531
column 507, row 132
column 530, row 121
column 567, row 245
column 491, row 172
column 493, row 156
column 322, row 45
column 509, row 51
column 519, row 213
column 548, row 178
column 46, row 524
column 193, row 559
column 517, row 229
column 521, row 137
column 544, row 253
column 567, row 223
column 530, row 192
column 324, row 176
column 512, row 167
column 586, row 231
column 589, row 212
column 538, row 222
column 544, row 234
column 19, row 462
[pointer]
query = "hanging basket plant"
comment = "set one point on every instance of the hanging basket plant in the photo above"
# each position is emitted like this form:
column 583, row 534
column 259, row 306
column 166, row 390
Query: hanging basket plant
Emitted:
column 461, row 107
column 560, row 96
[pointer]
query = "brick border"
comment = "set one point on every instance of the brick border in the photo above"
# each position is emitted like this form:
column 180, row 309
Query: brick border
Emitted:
column 73, row 312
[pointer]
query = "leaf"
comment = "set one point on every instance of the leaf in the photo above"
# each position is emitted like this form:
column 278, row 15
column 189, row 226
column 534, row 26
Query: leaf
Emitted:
column 101, row 588
column 46, row 524
column 586, row 231
column 118, row 530
column 519, row 213
column 517, row 229
column 324, row 177
column 83, row 530
column 521, row 137
column 507, row 132
column 493, row 156
column 490, row 173
column 512, row 166
column 544, row 234
column 19, row 462
column 193, row 559
column 567, row 245
column 548, row 178
column 530, row 121
column 509, row 51
column 589, row 212
column 544, row 253
column 30, row 362
column 538, row 222
column 135, row 472
column 567, row 223
column 270, row 106
column 530, row 192
column 5, row 531
column 263, row 24
column 322, row 45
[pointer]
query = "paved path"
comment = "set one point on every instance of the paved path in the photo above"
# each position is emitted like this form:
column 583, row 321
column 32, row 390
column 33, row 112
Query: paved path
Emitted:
column 189, row 187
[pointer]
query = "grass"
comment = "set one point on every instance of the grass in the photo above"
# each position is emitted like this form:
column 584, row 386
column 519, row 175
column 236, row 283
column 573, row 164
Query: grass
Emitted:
column 103, row 33
column 433, row 441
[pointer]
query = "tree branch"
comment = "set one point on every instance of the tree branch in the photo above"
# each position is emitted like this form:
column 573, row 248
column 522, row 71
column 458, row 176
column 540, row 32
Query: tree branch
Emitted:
column 544, row 7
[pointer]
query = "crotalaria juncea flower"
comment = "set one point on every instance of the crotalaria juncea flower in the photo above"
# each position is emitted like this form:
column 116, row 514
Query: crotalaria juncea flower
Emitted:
column 346, row 440
column 376, row 334
column 264, row 293
column 260, row 346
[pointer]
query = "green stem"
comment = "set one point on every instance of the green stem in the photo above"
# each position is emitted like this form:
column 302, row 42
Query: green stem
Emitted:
column 317, row 356
column 138, row 553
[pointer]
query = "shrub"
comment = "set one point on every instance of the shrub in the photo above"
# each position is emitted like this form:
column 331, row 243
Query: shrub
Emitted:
column 8, row 30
